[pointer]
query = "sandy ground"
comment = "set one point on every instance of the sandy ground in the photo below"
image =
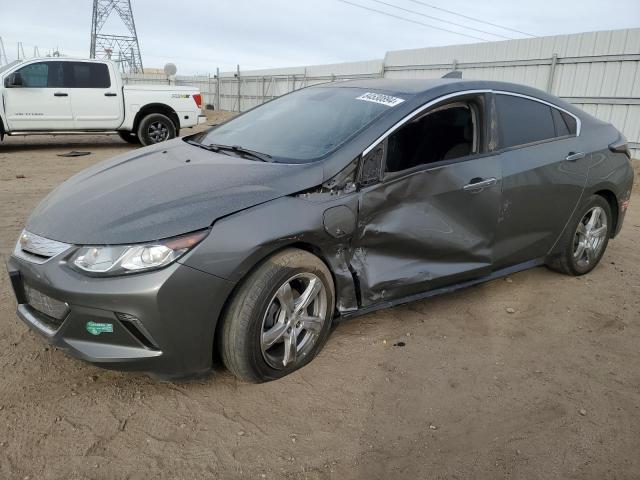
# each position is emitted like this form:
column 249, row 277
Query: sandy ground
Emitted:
column 551, row 391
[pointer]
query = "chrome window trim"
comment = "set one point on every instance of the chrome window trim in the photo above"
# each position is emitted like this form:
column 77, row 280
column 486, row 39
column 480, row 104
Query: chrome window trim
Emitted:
column 539, row 100
column 461, row 93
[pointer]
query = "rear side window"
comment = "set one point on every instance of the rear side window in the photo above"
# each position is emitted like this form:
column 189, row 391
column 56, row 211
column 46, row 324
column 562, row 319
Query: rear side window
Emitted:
column 88, row 75
column 565, row 123
column 523, row 121
column 42, row 75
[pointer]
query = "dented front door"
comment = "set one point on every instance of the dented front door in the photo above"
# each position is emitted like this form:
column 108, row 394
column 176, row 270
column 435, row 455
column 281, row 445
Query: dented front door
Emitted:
column 427, row 229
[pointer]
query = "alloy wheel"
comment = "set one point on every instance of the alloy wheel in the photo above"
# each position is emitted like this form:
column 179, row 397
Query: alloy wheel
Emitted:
column 293, row 320
column 590, row 237
column 158, row 132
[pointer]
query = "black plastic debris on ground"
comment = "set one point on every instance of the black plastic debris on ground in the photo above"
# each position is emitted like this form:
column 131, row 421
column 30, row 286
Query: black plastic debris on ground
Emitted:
column 399, row 344
column 74, row 154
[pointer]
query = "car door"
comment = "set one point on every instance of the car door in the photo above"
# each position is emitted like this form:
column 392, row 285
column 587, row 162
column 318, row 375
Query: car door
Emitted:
column 431, row 220
column 42, row 102
column 544, row 172
column 95, row 99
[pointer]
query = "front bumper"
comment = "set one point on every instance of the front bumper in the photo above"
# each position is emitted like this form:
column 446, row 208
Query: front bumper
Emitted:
column 174, row 310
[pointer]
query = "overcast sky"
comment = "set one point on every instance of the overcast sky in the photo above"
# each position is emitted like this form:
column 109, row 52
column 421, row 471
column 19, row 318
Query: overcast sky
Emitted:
column 200, row 35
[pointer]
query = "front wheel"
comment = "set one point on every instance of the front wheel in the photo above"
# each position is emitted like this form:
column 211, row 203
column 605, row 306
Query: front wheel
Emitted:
column 156, row 128
column 280, row 317
column 585, row 240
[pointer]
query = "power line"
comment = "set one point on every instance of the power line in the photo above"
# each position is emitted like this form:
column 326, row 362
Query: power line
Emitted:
column 441, row 20
column 470, row 18
column 412, row 21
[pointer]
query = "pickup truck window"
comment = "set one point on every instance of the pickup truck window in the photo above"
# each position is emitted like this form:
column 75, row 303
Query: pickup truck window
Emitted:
column 42, row 75
column 88, row 75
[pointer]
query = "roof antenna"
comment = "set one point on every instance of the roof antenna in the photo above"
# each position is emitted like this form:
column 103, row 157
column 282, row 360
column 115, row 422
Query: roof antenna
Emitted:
column 453, row 74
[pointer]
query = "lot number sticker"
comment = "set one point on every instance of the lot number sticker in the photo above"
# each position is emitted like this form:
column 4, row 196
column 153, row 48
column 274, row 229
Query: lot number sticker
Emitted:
column 380, row 98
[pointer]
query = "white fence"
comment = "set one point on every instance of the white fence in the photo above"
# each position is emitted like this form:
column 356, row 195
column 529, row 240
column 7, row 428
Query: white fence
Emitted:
column 597, row 71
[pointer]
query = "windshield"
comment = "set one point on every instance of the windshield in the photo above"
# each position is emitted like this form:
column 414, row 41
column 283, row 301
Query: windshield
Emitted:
column 302, row 126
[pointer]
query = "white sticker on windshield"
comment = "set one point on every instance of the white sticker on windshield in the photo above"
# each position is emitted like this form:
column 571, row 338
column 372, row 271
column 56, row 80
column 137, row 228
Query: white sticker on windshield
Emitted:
column 380, row 98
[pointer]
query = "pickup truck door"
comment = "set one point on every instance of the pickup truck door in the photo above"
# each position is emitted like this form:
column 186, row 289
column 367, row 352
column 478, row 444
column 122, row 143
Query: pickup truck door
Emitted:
column 96, row 96
column 42, row 102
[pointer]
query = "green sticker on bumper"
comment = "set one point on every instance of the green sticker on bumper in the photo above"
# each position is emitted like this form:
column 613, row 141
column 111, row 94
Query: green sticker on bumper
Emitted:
column 97, row 328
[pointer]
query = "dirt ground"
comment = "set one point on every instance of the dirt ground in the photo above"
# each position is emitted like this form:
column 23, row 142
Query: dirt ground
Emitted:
column 551, row 391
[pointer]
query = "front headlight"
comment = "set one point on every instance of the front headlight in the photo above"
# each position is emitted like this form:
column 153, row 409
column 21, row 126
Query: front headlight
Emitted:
column 124, row 259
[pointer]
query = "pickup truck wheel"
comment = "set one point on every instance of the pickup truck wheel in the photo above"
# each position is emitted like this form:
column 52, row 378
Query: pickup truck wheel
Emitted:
column 129, row 137
column 156, row 128
column 279, row 318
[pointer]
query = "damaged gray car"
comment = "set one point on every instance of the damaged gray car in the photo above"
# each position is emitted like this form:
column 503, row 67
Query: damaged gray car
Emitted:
column 248, row 241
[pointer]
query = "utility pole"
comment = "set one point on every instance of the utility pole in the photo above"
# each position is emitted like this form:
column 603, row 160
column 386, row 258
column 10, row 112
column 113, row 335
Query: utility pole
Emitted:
column 124, row 49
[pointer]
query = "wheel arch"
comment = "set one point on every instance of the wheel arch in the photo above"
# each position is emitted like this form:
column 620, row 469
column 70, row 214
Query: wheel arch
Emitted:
column 612, row 200
column 161, row 108
column 264, row 255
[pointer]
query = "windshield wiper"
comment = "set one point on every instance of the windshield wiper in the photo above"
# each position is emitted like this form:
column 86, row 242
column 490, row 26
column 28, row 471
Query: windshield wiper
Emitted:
column 265, row 157
column 215, row 147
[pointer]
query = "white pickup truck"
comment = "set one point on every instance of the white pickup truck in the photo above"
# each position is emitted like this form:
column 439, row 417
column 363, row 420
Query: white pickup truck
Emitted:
column 65, row 95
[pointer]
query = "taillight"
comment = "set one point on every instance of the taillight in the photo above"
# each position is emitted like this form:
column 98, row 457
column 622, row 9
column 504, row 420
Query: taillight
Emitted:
column 620, row 146
column 198, row 99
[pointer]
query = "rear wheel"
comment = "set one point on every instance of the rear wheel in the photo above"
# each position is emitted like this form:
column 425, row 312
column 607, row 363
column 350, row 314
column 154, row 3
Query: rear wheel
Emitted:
column 584, row 242
column 280, row 317
column 129, row 137
column 156, row 128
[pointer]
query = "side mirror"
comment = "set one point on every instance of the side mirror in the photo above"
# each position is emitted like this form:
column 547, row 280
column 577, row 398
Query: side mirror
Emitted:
column 14, row 80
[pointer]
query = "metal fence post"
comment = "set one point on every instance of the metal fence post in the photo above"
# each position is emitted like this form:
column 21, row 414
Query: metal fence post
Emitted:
column 217, row 88
column 552, row 72
column 239, row 87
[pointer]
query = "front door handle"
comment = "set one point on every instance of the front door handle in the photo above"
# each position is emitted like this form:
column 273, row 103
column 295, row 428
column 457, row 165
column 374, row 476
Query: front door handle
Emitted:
column 478, row 184
column 110, row 94
column 60, row 94
column 573, row 156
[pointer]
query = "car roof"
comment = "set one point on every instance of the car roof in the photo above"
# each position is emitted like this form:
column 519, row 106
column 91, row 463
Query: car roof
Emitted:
column 394, row 85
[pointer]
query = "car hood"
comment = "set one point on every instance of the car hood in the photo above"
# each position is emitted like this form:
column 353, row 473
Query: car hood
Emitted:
column 159, row 192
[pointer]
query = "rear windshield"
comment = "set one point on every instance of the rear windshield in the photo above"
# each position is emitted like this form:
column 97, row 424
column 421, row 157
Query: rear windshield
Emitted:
column 303, row 126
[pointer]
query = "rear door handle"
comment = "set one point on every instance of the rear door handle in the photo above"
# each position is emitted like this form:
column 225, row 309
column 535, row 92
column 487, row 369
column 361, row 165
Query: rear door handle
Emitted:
column 60, row 94
column 109, row 94
column 478, row 184
column 573, row 156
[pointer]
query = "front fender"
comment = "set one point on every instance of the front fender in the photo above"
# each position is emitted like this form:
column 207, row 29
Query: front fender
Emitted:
column 239, row 242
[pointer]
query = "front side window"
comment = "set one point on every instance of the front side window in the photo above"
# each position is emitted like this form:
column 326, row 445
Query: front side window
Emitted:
column 304, row 125
column 42, row 75
column 88, row 75
column 446, row 133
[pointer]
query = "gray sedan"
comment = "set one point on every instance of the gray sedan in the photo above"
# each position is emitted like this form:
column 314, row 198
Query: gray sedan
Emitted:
column 248, row 241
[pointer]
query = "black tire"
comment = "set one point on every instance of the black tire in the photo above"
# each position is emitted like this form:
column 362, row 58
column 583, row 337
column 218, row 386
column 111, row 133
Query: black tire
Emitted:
column 240, row 339
column 156, row 128
column 129, row 137
column 569, row 260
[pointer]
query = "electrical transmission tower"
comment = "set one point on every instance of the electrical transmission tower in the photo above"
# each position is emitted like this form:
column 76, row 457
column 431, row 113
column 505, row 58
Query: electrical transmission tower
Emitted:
column 3, row 54
column 124, row 49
